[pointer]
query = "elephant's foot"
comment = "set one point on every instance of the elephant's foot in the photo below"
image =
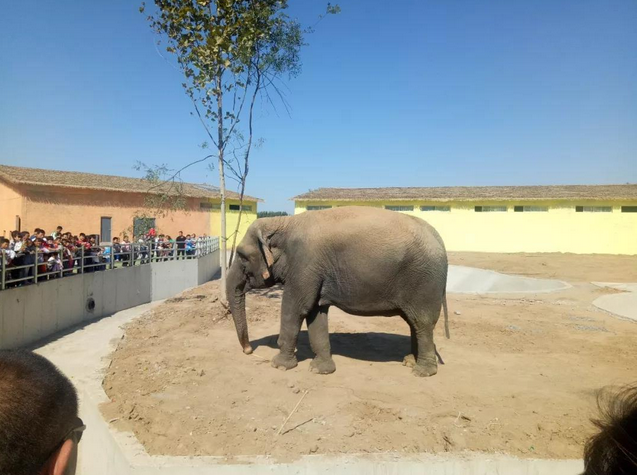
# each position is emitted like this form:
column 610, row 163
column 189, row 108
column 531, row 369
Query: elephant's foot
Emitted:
column 424, row 370
column 322, row 365
column 409, row 361
column 283, row 362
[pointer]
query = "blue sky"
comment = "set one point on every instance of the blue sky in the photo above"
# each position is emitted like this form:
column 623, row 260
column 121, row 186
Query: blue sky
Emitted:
column 404, row 93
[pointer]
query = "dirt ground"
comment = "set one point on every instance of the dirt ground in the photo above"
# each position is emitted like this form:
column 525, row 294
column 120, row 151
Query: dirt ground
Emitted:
column 521, row 373
column 568, row 267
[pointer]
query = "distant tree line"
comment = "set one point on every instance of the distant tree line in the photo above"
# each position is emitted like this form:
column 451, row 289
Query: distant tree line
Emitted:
column 271, row 214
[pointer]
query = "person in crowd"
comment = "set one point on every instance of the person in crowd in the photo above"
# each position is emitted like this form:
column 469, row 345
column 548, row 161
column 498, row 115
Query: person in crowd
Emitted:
column 190, row 245
column 172, row 247
column 54, row 264
column 126, row 251
column 27, row 253
column 68, row 255
column 39, row 425
column 613, row 449
column 57, row 233
column 144, row 250
column 96, row 254
column 24, row 237
column 83, row 245
column 117, row 250
column 15, row 238
column 40, row 252
column 18, row 261
column 181, row 244
column 7, row 256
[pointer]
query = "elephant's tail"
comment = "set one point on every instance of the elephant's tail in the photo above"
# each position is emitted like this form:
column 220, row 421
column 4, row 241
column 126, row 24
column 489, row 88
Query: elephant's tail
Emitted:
column 444, row 307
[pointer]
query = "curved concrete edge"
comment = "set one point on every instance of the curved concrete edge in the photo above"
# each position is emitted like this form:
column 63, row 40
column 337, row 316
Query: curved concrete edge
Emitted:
column 619, row 305
column 470, row 280
column 84, row 355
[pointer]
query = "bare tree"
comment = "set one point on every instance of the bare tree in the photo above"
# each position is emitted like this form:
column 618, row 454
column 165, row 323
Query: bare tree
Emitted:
column 231, row 52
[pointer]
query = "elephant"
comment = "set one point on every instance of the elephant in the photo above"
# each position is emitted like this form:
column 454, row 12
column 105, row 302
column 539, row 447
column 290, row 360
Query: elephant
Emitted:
column 366, row 261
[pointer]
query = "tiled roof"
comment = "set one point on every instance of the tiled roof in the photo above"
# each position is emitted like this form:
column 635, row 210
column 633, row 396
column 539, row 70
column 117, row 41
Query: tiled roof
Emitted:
column 92, row 181
column 474, row 193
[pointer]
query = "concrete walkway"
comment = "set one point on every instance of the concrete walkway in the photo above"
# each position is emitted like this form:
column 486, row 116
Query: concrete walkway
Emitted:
column 469, row 280
column 623, row 305
column 84, row 356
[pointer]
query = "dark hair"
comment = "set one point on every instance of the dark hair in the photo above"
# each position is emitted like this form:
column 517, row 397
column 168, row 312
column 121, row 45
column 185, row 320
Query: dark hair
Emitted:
column 59, row 227
column 38, row 407
column 613, row 450
column 15, row 233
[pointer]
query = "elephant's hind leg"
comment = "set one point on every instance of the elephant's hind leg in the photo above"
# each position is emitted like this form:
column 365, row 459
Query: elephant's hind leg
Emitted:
column 317, row 329
column 410, row 359
column 425, row 358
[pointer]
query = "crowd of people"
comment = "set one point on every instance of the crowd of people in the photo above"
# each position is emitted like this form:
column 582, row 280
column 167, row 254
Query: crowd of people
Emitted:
column 29, row 256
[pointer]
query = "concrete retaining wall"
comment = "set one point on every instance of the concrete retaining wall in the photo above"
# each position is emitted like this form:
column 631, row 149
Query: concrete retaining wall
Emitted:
column 31, row 313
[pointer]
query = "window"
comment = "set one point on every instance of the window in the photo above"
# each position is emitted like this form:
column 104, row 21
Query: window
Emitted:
column 237, row 207
column 435, row 208
column 530, row 209
column 205, row 205
column 105, row 229
column 142, row 225
column 317, row 208
column 399, row 208
column 486, row 209
column 629, row 209
column 593, row 209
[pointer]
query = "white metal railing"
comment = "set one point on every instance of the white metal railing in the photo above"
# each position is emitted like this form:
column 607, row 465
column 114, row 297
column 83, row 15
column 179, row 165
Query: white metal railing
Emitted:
column 32, row 265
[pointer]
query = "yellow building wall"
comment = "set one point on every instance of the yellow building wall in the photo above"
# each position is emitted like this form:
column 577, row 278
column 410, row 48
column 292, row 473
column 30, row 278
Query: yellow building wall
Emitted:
column 11, row 203
column 232, row 217
column 560, row 229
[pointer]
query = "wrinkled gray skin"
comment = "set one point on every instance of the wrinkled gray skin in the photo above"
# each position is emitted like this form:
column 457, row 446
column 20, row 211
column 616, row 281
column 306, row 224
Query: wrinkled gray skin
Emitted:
column 365, row 261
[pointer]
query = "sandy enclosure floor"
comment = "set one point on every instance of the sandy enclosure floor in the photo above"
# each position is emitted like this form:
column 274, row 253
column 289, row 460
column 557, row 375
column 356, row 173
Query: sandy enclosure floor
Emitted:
column 520, row 377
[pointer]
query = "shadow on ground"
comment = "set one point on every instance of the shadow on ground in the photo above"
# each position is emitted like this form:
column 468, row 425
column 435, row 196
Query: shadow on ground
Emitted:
column 360, row 346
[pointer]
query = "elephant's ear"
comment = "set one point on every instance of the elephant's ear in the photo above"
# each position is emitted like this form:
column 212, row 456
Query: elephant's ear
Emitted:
column 269, row 258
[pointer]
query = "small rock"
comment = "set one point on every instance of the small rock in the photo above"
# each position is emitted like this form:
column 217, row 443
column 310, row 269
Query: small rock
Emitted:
column 290, row 385
column 314, row 449
column 457, row 312
column 201, row 373
column 296, row 390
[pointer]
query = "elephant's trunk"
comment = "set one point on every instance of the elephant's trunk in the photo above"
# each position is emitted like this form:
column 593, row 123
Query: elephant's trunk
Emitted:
column 235, row 293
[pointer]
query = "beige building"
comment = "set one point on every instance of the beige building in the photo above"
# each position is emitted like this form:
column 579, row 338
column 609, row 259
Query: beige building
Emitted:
column 112, row 205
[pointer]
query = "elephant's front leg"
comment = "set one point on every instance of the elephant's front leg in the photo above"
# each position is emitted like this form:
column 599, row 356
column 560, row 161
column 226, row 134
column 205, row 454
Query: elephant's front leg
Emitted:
column 291, row 319
column 320, row 341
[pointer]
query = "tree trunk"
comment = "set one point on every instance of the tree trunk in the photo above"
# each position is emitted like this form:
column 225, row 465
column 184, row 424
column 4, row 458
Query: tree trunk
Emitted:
column 222, row 189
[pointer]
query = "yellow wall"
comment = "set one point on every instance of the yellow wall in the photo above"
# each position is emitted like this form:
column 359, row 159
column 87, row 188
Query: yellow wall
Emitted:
column 247, row 218
column 561, row 229
column 11, row 204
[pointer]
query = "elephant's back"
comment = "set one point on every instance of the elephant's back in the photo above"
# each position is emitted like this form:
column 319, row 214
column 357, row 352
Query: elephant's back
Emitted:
column 369, row 225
